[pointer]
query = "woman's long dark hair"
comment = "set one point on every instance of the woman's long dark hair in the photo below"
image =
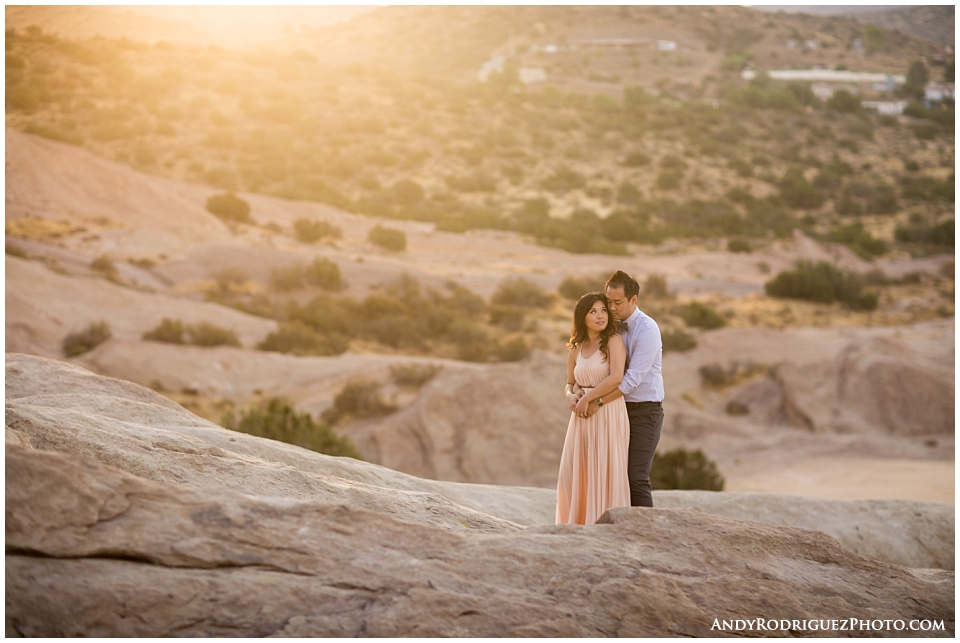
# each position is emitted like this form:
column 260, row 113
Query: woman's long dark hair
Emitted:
column 578, row 333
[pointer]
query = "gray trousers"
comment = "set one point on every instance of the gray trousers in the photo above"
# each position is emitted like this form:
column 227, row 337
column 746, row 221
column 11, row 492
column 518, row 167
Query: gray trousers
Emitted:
column 646, row 419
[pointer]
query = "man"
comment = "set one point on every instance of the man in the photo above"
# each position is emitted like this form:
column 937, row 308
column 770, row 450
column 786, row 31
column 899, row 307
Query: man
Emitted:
column 642, row 384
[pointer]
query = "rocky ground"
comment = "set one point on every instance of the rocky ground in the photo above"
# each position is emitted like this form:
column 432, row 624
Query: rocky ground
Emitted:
column 839, row 404
column 128, row 516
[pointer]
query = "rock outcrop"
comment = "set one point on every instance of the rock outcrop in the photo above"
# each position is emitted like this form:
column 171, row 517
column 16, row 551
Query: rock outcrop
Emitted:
column 54, row 406
column 94, row 551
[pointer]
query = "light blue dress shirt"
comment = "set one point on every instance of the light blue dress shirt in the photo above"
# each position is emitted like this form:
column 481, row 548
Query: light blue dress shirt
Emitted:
column 643, row 380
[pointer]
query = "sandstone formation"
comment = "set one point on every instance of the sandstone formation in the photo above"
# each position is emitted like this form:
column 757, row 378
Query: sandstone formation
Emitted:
column 94, row 551
column 54, row 406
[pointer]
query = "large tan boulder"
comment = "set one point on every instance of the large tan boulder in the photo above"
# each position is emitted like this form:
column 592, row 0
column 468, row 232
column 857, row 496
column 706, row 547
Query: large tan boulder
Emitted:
column 502, row 424
column 94, row 551
column 879, row 386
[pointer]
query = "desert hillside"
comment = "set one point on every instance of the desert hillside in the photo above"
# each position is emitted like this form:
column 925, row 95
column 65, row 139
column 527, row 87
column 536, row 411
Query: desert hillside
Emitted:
column 833, row 396
column 113, row 487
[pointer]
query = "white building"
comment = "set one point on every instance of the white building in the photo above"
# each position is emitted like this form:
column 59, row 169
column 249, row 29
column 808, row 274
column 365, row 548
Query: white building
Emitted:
column 666, row 45
column 890, row 107
column 529, row 75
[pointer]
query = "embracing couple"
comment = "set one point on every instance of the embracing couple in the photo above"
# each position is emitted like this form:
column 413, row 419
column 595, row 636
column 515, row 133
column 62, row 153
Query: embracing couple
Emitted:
column 615, row 392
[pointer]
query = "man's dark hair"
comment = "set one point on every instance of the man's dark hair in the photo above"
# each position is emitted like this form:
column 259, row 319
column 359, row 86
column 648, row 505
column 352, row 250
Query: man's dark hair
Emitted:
column 620, row 279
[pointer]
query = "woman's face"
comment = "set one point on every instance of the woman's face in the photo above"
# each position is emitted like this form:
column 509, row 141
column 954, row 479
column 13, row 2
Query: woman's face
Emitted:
column 597, row 316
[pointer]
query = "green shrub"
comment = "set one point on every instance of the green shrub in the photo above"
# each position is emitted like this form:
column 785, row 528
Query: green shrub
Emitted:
column 311, row 231
column 699, row 315
column 941, row 234
column 388, row 238
column 521, row 293
column 678, row 340
column 415, row 375
column 636, row 159
column 169, row 331
column 511, row 318
column 229, row 207
column 287, row 278
column 230, row 276
column 822, row 283
column 844, row 102
column 358, row 400
column 103, row 264
column 739, row 245
column 476, row 182
column 407, row 192
column 323, row 273
column 298, row 338
column 683, row 469
column 15, row 251
column 575, row 287
column 860, row 241
column 276, row 419
column 655, row 287
column 737, row 408
column 797, row 192
column 669, row 179
column 563, row 180
column 78, row 343
column 512, row 350
column 207, row 334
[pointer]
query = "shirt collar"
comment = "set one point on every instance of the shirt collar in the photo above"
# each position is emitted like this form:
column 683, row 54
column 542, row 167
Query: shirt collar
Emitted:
column 632, row 318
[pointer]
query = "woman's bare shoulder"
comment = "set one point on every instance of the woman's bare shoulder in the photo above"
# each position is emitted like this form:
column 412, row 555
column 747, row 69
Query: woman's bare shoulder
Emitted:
column 616, row 338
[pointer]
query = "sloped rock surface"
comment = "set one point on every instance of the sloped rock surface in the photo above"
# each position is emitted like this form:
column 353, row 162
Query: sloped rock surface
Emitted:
column 904, row 532
column 94, row 551
column 878, row 386
column 141, row 432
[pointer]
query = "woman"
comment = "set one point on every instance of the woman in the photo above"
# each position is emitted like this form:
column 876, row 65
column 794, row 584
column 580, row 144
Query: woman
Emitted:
column 593, row 467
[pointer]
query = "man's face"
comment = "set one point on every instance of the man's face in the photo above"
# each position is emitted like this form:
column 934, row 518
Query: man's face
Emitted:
column 620, row 306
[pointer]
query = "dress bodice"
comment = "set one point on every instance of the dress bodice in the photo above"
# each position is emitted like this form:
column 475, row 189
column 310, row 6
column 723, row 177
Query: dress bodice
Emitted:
column 590, row 371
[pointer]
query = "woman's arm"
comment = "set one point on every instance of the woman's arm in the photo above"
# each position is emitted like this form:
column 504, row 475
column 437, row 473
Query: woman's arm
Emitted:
column 572, row 391
column 618, row 357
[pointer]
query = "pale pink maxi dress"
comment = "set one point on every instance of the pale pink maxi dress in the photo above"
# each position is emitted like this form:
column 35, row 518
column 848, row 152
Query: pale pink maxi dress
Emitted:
column 593, row 466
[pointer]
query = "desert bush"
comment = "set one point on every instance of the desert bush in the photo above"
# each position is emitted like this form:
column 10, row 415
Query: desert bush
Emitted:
column 407, row 192
column 358, row 400
column 655, row 287
column 323, row 273
column 636, row 159
column 207, row 334
column 563, row 180
column 512, row 350
column 298, row 338
column 821, row 282
column 509, row 317
column 521, row 293
column 415, row 375
column 387, row 238
column 476, row 182
column 876, row 277
column 700, row 315
column 927, row 188
column 737, row 408
column 797, row 192
column 859, row 240
column 739, row 245
column 311, row 231
column 575, row 287
column 229, row 207
column 716, row 376
column 287, row 278
column 14, row 250
column 683, row 469
column 168, row 330
column 93, row 335
column 941, row 234
column 276, row 419
column 669, row 179
column 844, row 102
column 677, row 340
column 103, row 264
